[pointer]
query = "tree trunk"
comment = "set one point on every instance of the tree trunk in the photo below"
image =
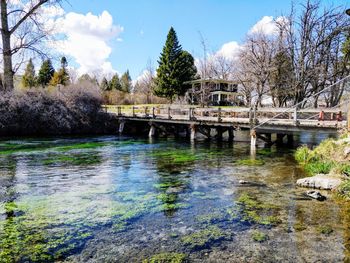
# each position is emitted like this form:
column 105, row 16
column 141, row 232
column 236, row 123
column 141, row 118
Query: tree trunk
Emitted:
column 6, row 45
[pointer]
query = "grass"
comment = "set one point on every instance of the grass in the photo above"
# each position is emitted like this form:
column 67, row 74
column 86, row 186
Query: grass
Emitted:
column 326, row 158
column 318, row 167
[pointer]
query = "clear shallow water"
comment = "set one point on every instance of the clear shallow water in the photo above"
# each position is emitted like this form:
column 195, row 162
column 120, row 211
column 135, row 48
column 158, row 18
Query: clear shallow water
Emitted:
column 111, row 199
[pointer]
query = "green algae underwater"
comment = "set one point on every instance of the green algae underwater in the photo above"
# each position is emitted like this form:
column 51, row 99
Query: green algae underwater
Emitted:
column 119, row 199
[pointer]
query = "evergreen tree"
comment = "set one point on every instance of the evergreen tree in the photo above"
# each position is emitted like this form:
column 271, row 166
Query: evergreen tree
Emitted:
column 64, row 63
column 188, row 71
column 114, row 84
column 87, row 78
column 45, row 73
column 281, row 78
column 175, row 67
column 125, row 82
column 346, row 50
column 104, row 84
column 28, row 79
column 61, row 77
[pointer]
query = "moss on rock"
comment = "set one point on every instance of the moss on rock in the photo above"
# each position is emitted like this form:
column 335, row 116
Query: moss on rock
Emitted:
column 204, row 238
column 251, row 162
column 166, row 258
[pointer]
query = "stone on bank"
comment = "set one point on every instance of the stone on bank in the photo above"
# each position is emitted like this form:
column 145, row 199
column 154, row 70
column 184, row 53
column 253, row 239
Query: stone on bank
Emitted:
column 320, row 181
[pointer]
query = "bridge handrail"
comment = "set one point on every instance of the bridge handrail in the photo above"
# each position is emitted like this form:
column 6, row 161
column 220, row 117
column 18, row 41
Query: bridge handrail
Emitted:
column 295, row 107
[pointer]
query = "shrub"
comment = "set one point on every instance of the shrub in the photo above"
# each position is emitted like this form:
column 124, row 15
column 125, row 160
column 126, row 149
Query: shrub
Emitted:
column 303, row 155
column 67, row 110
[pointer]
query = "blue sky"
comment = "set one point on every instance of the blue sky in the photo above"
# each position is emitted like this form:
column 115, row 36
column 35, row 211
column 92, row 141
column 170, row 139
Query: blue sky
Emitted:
column 145, row 24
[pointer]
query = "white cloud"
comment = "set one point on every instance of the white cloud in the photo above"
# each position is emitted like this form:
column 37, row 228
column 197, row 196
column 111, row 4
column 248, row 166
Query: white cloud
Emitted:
column 87, row 40
column 229, row 50
column 145, row 76
column 267, row 25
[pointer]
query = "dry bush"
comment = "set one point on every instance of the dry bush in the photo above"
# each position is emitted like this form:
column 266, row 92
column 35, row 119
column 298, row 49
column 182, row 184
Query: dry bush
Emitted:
column 116, row 97
column 67, row 110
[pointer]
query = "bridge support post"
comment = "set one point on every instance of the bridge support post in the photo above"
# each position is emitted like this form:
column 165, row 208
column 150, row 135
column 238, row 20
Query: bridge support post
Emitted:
column 152, row 131
column 290, row 139
column 219, row 133
column 193, row 132
column 253, row 143
column 279, row 140
column 295, row 116
column 121, row 127
column 253, row 138
column 269, row 138
column 231, row 134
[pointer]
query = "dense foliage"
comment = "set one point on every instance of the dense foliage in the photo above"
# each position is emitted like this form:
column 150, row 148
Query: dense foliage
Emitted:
column 176, row 66
column 73, row 110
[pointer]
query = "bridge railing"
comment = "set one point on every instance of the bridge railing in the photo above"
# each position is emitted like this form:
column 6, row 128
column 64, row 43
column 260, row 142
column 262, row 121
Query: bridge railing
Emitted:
column 323, row 116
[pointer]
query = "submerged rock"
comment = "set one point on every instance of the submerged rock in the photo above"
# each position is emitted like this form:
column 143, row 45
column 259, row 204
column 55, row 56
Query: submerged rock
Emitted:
column 316, row 195
column 243, row 182
column 320, row 181
column 247, row 183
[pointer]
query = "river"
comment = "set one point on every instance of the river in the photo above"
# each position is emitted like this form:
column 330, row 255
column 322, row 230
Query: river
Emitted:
column 120, row 199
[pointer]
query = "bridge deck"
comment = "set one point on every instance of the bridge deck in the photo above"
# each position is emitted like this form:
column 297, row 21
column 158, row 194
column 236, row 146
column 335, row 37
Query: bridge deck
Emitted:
column 266, row 120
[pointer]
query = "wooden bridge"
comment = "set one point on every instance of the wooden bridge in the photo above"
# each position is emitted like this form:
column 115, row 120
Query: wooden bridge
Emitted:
column 214, row 122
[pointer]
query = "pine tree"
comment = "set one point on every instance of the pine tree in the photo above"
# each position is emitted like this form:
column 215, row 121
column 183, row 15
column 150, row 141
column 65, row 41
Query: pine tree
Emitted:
column 104, row 84
column 346, row 50
column 188, row 71
column 281, row 78
column 125, row 82
column 46, row 72
column 87, row 78
column 114, row 84
column 175, row 67
column 61, row 77
column 28, row 79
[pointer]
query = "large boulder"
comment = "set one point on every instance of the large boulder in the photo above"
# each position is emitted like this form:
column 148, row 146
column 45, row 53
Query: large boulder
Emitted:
column 320, row 181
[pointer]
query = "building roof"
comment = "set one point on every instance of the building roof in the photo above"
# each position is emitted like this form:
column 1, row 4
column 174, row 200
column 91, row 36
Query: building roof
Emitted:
column 210, row 80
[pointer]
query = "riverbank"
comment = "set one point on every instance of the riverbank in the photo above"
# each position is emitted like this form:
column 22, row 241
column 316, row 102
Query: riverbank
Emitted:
column 327, row 163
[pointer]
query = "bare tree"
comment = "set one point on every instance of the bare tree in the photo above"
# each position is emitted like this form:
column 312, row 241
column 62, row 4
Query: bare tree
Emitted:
column 146, row 83
column 20, row 21
column 254, row 67
column 314, row 38
column 220, row 67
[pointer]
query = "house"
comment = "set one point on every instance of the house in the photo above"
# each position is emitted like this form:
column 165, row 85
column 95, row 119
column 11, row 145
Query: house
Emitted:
column 217, row 92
